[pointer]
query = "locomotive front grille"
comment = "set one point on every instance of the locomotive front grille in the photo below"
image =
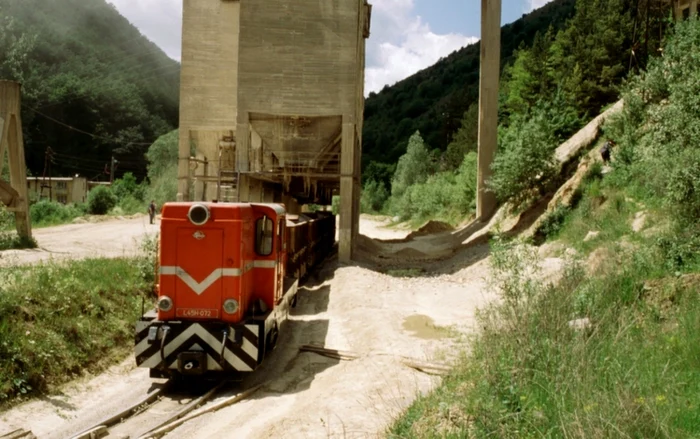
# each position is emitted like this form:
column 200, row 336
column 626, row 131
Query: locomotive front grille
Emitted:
column 194, row 347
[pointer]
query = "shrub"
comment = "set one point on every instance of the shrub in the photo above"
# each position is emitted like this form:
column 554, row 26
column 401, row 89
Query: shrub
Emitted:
column 659, row 128
column 101, row 200
column 446, row 195
column 46, row 212
column 162, row 155
column 10, row 240
column 130, row 205
column 374, row 195
column 335, row 204
column 128, row 187
column 525, row 160
column 7, row 219
column 553, row 222
column 163, row 187
column 162, row 169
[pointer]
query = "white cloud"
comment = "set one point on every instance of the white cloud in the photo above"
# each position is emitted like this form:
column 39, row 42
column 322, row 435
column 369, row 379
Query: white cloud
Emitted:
column 536, row 4
column 400, row 43
column 159, row 20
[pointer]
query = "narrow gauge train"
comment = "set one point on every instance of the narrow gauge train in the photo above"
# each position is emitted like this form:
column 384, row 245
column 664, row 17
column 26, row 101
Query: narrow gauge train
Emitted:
column 227, row 276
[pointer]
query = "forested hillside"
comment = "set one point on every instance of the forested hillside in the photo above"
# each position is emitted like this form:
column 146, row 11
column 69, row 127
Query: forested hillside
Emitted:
column 434, row 100
column 93, row 86
column 554, row 83
column 606, row 345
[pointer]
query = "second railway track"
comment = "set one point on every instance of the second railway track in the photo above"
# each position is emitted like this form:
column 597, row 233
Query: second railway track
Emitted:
column 159, row 412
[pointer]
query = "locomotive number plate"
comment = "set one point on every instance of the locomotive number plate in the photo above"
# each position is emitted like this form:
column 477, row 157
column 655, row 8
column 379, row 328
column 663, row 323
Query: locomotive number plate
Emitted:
column 201, row 313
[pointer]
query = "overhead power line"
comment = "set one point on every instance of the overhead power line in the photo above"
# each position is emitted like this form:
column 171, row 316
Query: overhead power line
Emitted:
column 93, row 135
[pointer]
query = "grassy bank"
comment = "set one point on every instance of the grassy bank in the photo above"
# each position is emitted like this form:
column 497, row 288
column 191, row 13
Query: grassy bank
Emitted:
column 611, row 350
column 60, row 319
column 632, row 370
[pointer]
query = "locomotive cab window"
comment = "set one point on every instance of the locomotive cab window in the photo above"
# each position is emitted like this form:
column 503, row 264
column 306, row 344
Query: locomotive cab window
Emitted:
column 263, row 236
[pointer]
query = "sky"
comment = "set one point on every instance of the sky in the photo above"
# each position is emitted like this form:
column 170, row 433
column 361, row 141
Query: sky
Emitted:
column 406, row 35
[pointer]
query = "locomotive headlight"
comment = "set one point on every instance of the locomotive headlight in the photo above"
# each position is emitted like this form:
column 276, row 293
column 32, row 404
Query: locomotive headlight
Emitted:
column 231, row 306
column 165, row 303
column 198, row 214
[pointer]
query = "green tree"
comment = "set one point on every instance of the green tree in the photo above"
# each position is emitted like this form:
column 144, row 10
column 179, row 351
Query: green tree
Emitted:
column 162, row 158
column 525, row 159
column 530, row 77
column 413, row 167
column 127, row 186
column 590, row 56
column 374, row 195
column 465, row 139
column 17, row 48
column 92, row 85
column 658, row 132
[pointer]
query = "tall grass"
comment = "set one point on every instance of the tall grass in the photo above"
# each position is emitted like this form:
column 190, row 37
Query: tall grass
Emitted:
column 8, row 238
column 634, row 372
column 59, row 319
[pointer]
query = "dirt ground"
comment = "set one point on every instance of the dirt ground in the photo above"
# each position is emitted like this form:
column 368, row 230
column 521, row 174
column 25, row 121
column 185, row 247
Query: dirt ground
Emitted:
column 346, row 307
column 112, row 238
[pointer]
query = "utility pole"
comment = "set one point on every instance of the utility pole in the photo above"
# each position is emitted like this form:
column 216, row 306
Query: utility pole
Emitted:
column 111, row 170
column 488, row 103
column 48, row 160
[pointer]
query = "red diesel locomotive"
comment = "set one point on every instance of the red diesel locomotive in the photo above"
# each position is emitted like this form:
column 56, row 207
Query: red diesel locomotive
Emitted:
column 227, row 276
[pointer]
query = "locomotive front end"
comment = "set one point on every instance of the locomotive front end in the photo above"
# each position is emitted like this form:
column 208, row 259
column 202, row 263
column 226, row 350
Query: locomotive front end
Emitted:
column 204, row 291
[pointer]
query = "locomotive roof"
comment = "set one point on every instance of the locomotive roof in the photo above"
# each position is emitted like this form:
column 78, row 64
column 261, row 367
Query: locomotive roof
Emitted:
column 278, row 208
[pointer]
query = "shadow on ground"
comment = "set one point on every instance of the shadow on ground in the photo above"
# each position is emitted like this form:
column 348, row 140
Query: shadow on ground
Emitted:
column 287, row 370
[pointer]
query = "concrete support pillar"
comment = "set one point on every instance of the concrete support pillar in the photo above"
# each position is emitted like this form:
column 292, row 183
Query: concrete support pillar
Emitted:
column 243, row 145
column 256, row 147
column 12, row 141
column 349, row 193
column 488, row 102
column 357, row 182
column 183, row 166
column 243, row 189
column 268, row 195
column 255, row 194
column 693, row 7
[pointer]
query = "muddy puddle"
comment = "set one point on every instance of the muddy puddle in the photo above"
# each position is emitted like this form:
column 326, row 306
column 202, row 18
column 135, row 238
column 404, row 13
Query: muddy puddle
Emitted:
column 423, row 327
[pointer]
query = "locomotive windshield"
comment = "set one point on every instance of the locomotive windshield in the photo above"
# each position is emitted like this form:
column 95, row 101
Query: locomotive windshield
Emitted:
column 263, row 236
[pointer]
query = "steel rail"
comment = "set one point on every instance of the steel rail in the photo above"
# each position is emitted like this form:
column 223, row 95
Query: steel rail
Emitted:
column 98, row 429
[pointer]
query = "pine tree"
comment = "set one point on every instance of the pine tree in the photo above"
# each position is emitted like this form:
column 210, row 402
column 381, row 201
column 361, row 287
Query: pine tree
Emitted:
column 589, row 59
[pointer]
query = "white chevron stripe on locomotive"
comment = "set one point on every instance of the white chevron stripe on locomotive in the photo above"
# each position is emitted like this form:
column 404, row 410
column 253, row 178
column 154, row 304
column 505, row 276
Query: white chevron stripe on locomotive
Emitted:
column 208, row 338
column 200, row 287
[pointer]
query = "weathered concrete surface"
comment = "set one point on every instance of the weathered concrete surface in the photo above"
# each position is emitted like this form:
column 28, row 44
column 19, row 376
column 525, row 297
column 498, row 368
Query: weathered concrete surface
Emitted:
column 488, row 103
column 8, row 195
column 281, row 85
column 12, row 141
column 681, row 7
column 585, row 137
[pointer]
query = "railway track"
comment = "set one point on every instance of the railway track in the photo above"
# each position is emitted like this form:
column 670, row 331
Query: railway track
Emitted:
column 159, row 412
